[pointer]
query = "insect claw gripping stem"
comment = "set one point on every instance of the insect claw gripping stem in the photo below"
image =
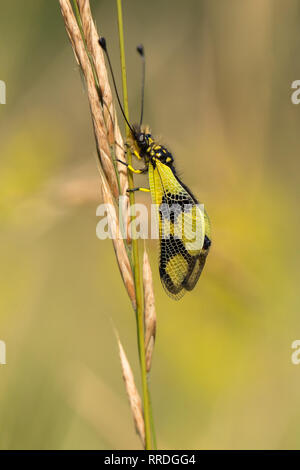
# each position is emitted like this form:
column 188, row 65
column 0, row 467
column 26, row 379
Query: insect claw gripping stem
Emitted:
column 137, row 155
column 135, row 152
column 138, row 172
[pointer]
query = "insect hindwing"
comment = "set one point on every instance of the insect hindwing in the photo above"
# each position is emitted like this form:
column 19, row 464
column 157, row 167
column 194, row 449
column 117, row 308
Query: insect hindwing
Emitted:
column 183, row 231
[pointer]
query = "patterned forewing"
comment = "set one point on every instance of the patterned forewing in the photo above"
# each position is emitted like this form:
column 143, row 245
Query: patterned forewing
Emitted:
column 181, row 230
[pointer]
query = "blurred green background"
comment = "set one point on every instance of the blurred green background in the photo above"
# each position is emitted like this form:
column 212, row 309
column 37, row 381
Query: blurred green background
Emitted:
column 218, row 92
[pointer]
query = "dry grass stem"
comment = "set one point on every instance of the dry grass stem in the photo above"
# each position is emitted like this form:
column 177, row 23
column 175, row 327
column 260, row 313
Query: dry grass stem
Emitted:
column 107, row 132
column 101, row 136
column 84, row 38
column 133, row 394
column 121, row 254
column 109, row 112
column 149, row 311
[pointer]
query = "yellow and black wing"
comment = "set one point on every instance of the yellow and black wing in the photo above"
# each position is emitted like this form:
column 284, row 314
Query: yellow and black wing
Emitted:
column 184, row 231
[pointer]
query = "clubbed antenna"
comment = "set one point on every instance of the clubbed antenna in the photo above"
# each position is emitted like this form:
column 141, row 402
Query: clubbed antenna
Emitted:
column 102, row 42
column 140, row 50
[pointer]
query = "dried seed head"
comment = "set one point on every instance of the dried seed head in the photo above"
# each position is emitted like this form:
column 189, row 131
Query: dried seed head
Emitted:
column 149, row 352
column 101, row 133
column 120, row 155
column 149, row 311
column 92, row 38
column 109, row 113
column 118, row 242
column 133, row 394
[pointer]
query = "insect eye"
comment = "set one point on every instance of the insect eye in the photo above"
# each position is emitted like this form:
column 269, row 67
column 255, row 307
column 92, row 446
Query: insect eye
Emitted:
column 141, row 137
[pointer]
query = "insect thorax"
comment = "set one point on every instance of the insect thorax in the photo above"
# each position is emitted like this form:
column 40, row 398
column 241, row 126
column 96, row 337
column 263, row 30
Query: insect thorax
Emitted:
column 151, row 150
column 156, row 151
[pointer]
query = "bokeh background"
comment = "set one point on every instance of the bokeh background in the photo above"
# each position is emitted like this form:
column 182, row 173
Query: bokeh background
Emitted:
column 218, row 92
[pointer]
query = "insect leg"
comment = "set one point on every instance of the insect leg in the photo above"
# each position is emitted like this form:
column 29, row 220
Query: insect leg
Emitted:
column 136, row 153
column 142, row 170
column 133, row 151
column 126, row 147
column 146, row 190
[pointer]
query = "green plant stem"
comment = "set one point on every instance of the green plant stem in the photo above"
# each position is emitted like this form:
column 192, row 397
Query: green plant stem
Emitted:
column 135, row 251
